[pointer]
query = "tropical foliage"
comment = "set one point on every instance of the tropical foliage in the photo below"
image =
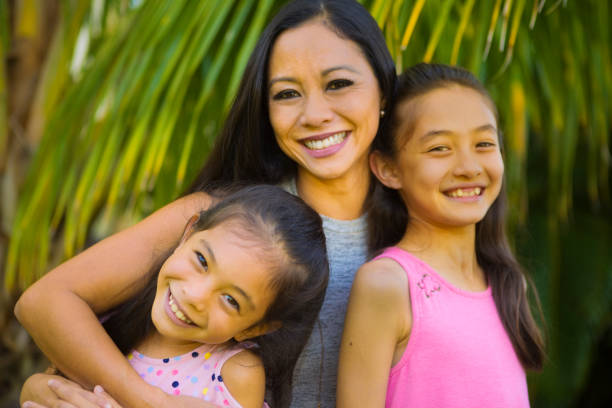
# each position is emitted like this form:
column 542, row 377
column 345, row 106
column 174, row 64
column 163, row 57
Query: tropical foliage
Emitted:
column 132, row 94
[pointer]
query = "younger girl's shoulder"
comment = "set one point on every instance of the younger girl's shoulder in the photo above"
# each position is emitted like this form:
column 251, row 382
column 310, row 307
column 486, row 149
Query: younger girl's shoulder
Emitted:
column 245, row 378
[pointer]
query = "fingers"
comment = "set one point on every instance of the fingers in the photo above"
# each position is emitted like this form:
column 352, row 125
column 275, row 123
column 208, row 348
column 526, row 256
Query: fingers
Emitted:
column 72, row 396
column 31, row 404
column 98, row 390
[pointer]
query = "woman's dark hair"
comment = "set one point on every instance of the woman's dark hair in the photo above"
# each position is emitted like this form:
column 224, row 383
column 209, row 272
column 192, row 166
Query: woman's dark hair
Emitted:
column 246, row 149
column 508, row 281
column 291, row 233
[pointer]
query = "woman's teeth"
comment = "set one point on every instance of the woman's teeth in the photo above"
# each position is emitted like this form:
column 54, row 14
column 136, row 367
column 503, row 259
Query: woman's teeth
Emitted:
column 177, row 312
column 468, row 192
column 327, row 142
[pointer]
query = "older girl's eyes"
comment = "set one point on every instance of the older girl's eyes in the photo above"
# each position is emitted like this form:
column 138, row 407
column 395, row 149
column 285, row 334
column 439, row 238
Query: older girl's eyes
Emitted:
column 231, row 302
column 339, row 84
column 485, row 144
column 437, row 149
column 202, row 260
column 285, row 94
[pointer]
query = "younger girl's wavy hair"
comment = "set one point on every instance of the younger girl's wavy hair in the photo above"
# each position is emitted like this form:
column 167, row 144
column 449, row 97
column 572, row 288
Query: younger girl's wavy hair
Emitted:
column 508, row 281
column 281, row 224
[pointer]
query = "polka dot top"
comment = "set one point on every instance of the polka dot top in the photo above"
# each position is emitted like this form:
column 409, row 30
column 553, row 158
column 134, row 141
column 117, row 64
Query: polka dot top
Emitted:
column 196, row 374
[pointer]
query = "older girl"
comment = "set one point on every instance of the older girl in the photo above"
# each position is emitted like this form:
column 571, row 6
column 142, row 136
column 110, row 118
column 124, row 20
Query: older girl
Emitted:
column 441, row 319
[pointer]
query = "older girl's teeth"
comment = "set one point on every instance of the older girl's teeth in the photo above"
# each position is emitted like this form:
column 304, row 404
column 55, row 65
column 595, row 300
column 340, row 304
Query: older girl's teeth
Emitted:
column 327, row 142
column 472, row 192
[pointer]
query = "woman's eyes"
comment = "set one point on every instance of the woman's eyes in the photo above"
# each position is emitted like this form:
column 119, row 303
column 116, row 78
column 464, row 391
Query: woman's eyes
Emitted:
column 232, row 302
column 202, row 260
column 285, row 94
column 333, row 85
column 339, row 84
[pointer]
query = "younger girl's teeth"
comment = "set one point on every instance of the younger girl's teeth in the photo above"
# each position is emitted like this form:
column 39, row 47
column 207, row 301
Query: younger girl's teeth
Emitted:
column 177, row 312
column 327, row 142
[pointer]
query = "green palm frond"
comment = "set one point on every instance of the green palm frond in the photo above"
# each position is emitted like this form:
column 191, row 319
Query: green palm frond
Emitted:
column 4, row 45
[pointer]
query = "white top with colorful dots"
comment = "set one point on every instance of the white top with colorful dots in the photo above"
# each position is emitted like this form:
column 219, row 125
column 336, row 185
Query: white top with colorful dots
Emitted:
column 196, row 374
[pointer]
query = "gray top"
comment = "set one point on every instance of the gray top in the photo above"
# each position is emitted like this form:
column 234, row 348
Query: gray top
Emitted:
column 315, row 373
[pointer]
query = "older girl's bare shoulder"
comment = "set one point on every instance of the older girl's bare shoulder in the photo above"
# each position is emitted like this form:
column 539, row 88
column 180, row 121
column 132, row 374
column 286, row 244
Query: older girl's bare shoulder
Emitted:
column 381, row 277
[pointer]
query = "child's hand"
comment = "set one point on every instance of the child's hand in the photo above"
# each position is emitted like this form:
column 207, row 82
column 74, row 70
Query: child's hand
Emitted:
column 43, row 390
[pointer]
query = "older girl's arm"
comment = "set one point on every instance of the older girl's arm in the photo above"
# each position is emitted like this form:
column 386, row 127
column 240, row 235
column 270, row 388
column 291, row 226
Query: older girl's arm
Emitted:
column 59, row 311
column 376, row 320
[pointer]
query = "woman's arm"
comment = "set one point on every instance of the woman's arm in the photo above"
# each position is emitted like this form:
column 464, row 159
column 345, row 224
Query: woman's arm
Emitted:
column 376, row 320
column 59, row 311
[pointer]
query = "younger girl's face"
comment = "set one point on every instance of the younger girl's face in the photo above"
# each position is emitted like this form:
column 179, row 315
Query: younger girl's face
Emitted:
column 214, row 287
column 449, row 162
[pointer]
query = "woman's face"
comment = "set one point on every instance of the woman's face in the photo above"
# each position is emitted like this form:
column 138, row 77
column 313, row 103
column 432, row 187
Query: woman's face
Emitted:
column 324, row 101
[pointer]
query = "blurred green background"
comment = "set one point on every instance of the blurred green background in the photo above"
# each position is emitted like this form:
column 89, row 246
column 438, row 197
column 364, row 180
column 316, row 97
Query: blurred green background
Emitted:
column 109, row 107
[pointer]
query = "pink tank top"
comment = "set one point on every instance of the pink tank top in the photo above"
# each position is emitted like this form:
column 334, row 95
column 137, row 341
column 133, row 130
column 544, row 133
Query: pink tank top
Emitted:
column 459, row 354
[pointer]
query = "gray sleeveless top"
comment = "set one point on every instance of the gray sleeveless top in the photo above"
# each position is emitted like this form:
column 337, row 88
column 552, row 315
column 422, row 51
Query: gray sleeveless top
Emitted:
column 314, row 378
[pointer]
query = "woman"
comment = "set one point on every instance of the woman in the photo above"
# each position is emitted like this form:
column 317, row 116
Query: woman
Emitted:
column 308, row 108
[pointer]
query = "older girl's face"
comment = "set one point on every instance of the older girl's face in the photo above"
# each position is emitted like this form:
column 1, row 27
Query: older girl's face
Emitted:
column 324, row 101
column 449, row 167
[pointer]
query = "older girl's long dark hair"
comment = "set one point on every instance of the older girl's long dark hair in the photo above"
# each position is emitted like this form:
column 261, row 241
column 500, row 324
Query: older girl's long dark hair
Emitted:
column 246, row 149
column 279, row 222
column 508, row 281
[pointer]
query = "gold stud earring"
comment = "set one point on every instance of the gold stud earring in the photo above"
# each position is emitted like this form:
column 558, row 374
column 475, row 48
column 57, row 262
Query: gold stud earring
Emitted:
column 382, row 113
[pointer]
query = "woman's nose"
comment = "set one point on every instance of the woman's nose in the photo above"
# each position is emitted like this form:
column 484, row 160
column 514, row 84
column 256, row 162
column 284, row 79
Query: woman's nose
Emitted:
column 316, row 110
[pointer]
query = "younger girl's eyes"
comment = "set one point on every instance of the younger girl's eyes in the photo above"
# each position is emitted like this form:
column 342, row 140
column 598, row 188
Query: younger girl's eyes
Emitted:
column 339, row 84
column 202, row 260
column 285, row 94
column 232, row 302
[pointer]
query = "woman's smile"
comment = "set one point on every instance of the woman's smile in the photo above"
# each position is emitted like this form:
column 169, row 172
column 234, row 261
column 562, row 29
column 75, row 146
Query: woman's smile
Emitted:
column 325, row 144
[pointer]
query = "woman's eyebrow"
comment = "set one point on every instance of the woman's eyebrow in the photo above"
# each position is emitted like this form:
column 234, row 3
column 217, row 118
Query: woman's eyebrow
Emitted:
column 325, row 72
column 281, row 79
column 338, row 68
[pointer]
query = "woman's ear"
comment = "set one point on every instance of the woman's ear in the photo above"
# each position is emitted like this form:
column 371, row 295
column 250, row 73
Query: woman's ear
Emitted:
column 189, row 228
column 258, row 330
column 385, row 170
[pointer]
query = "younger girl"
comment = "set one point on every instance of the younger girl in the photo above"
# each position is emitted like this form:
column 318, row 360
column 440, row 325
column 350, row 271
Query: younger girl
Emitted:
column 253, row 267
column 442, row 318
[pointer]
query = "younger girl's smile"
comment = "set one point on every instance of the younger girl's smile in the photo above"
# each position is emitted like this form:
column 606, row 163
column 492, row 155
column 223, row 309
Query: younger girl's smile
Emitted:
column 176, row 313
